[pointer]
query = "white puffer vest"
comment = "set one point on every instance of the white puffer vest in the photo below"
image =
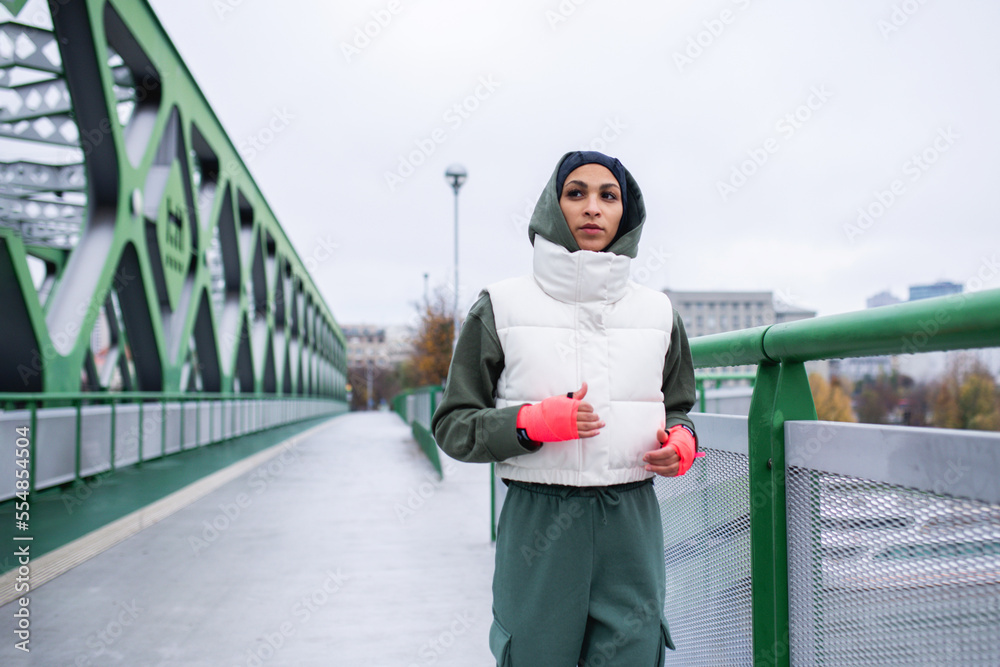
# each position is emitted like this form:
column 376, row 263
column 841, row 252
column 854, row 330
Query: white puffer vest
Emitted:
column 580, row 319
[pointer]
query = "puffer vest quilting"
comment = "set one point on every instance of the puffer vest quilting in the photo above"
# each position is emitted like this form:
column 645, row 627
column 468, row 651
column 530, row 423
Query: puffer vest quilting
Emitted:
column 577, row 319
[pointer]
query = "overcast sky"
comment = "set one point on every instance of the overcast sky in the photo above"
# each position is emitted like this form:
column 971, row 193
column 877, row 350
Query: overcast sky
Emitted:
column 756, row 129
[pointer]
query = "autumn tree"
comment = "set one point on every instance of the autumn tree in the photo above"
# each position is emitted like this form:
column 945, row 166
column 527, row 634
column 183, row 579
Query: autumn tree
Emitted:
column 832, row 402
column 966, row 397
column 892, row 398
column 432, row 344
column 871, row 406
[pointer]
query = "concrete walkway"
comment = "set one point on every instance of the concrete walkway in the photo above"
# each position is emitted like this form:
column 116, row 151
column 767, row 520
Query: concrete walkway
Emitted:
column 344, row 550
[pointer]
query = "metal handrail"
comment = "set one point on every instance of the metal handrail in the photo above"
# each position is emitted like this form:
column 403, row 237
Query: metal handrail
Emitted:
column 35, row 401
column 781, row 393
column 956, row 321
column 421, row 433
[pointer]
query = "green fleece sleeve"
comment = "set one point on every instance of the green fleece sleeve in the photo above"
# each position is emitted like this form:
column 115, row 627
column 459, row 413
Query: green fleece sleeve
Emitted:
column 678, row 378
column 466, row 425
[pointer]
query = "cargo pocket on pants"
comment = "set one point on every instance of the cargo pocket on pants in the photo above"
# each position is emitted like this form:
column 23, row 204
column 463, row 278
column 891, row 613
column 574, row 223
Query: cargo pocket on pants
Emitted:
column 500, row 643
column 665, row 643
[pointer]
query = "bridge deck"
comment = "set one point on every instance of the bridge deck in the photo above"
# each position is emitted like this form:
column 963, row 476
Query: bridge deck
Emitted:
column 344, row 550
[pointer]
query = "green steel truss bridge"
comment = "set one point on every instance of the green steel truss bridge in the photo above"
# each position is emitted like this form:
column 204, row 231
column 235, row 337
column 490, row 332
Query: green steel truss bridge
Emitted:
column 136, row 252
column 153, row 306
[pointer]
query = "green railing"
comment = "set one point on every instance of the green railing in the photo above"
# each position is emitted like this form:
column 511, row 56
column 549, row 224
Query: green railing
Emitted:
column 781, row 393
column 164, row 277
column 714, row 380
column 152, row 421
column 170, row 271
column 416, row 407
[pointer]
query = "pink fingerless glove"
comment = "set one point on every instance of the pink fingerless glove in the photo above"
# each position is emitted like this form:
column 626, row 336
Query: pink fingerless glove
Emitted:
column 552, row 420
column 684, row 444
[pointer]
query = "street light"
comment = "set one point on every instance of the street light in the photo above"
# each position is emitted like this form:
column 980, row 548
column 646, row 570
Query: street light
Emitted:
column 455, row 174
column 370, row 377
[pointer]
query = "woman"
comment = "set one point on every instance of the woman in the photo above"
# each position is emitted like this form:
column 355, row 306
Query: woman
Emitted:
column 577, row 382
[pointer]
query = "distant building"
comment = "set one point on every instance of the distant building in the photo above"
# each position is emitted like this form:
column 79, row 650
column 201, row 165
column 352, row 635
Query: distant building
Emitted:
column 384, row 346
column 859, row 368
column 714, row 312
column 930, row 365
column 707, row 313
column 942, row 288
column 785, row 312
column 922, row 366
column 885, row 298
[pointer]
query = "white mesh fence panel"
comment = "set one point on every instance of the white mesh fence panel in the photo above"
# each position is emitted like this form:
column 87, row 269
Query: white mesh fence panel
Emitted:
column 706, row 528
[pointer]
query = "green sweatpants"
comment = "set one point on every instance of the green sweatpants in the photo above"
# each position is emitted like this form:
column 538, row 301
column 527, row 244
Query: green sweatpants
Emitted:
column 579, row 577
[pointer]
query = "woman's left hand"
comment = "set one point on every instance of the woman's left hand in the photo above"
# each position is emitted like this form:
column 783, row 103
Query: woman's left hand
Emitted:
column 663, row 461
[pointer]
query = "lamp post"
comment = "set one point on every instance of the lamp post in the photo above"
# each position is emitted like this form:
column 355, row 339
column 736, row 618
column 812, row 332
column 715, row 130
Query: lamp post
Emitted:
column 455, row 174
column 370, row 377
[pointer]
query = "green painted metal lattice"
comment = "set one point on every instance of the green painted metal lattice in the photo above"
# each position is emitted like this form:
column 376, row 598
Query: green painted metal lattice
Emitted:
column 136, row 252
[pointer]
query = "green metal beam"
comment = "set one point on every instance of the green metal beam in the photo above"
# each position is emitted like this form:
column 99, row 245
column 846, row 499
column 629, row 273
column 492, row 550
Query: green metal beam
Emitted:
column 956, row 321
column 209, row 291
column 732, row 348
column 781, row 393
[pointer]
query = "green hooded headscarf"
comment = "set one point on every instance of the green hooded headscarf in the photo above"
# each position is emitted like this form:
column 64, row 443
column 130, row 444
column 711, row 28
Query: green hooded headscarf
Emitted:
column 548, row 220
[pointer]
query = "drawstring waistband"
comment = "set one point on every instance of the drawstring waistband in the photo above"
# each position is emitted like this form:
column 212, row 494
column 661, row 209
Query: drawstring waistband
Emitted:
column 602, row 495
column 610, row 496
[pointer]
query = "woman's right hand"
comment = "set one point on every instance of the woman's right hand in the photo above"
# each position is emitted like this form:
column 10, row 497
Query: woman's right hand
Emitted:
column 588, row 422
column 560, row 418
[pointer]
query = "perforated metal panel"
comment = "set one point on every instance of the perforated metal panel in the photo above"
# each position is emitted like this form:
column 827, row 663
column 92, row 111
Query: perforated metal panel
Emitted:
column 706, row 528
column 885, row 575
